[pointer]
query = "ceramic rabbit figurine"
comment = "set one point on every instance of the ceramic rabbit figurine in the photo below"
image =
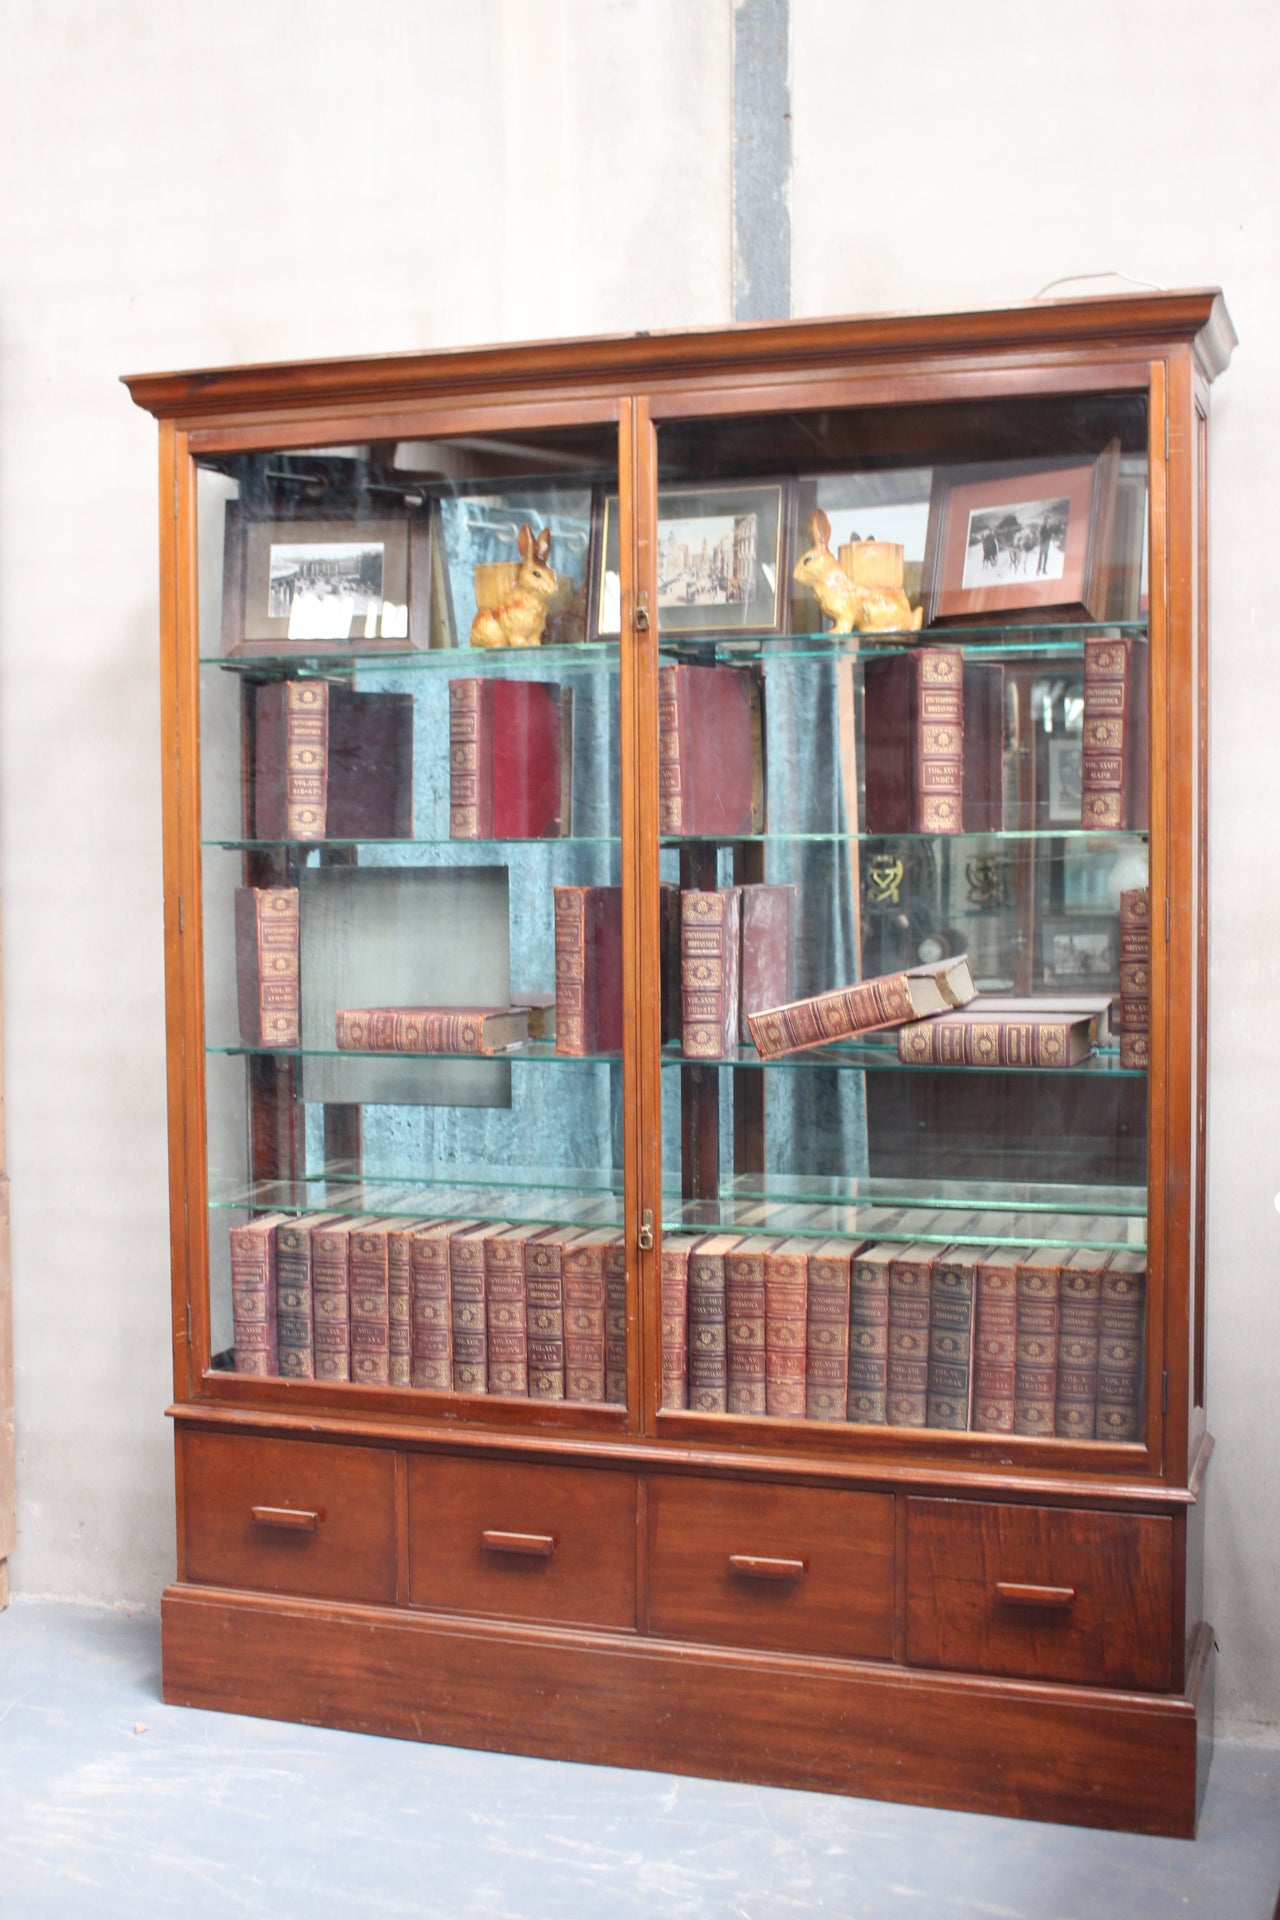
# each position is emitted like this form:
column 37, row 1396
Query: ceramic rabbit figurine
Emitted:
column 518, row 620
column 850, row 608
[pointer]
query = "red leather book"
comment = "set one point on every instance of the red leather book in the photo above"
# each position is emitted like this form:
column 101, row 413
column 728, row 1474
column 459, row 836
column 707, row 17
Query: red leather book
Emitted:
column 710, row 934
column 827, row 1356
column 582, row 1268
column 786, row 1328
column 510, row 759
column 588, row 944
column 1113, row 740
column 767, row 960
column 995, row 1347
column 1079, row 1301
column 676, row 1248
column 369, row 1279
column 975, row 1039
column 615, row 1321
column 469, row 1030
column 331, row 1298
column 466, row 1306
column 710, row 751
column 267, row 965
column 745, row 1325
column 708, row 1345
column 1035, row 1388
column 506, row 1318
column 910, row 1288
column 295, row 1339
column 869, row 1335
column 432, row 1311
column 290, row 760
column 889, row 1001
column 1121, row 1344
column 370, row 766
column 544, row 1313
column 400, row 1302
column 913, row 706
column 951, row 1339
column 982, row 782
column 253, row 1293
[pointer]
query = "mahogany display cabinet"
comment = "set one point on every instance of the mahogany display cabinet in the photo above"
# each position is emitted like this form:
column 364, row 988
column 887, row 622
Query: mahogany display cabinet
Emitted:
column 564, row 1365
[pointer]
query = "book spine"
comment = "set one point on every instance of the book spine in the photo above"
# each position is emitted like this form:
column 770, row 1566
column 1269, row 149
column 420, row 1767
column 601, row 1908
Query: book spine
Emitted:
column 868, row 1342
column 432, row 1313
column 400, row 1307
column 615, row 1322
column 506, row 1320
column 575, row 970
column 675, row 1324
column 986, row 1043
column 470, row 760
column 1135, row 977
column 832, row 1016
column 1121, row 1337
column 983, row 746
column 1112, row 769
column 670, row 793
column 583, row 1271
column 827, row 1357
column 294, row 1344
column 786, row 1313
column 306, row 758
column 767, row 951
column 414, row 1030
column 370, row 1306
column 708, row 1353
column 331, row 1302
column 709, row 950
column 544, row 1318
column 939, row 798
column 745, row 1330
column 1076, row 1402
column 267, row 965
column 995, row 1350
column 910, row 1286
column 253, row 1297
column 950, row 1398
column 1035, row 1388
column 467, row 1315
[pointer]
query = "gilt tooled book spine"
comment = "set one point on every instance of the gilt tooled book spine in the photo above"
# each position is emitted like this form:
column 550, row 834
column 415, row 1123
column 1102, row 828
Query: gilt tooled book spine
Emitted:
column 968, row 1040
column 290, row 760
column 1035, row 1390
column 767, row 962
column 544, row 1314
column 832, row 1016
column 369, row 1275
column 869, row 1336
column 295, row 1338
column 267, row 965
column 1113, row 741
column 827, row 1356
column 1135, row 976
column 615, row 1321
column 708, row 1346
column 676, row 1248
column 1079, row 1301
column 506, row 1317
column 995, row 1351
column 470, row 759
column 1121, row 1343
column 331, row 1298
column 786, row 1328
column 914, row 731
column 710, row 751
column 910, row 1288
column 745, row 1326
column 431, row 1308
column 582, row 1267
column 709, row 955
column 253, row 1294
column 588, row 949
column 510, row 743
column 467, row 1030
column 400, row 1303
column 466, row 1307
column 951, row 1339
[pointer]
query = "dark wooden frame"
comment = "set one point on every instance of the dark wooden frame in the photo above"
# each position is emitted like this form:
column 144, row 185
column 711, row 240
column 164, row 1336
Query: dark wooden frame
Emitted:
column 243, row 625
column 710, row 628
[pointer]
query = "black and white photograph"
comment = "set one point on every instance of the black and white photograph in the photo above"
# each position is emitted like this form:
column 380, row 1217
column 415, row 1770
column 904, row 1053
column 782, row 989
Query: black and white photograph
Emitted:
column 1081, row 950
column 709, row 562
column 325, row 585
column 325, row 589
column 720, row 561
column 1025, row 541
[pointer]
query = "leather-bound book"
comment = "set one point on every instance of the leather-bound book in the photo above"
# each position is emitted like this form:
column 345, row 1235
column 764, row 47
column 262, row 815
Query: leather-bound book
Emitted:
column 767, row 960
column 400, row 1302
column 913, row 706
column 1121, row 1343
column 267, row 965
column 889, row 1001
column 370, row 766
column 1079, row 1302
column 710, row 934
column 1035, row 1389
column 676, row 1248
column 431, row 1307
column 910, row 1290
column 708, row 1345
column 582, row 1268
column 1113, row 740
column 253, row 1293
column 951, row 1339
column 786, row 1328
column 995, row 1346
column 331, row 1298
column 469, row 1030
column 615, row 1321
column 544, row 1313
column 710, row 751
column 827, row 1351
column 290, row 760
column 669, row 933
column 506, row 1314
column 982, row 802
column 1135, row 976
column 744, row 1324
column 295, row 1337
column 975, row 1038
column 588, row 945
column 466, row 1306
column 869, row 1335
column 510, row 759
column 369, row 1275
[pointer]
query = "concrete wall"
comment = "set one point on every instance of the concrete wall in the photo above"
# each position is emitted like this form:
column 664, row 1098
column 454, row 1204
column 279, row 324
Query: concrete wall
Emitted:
column 272, row 180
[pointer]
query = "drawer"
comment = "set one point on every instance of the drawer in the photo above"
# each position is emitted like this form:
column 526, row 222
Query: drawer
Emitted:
column 1041, row 1593
column 793, row 1569
column 289, row 1516
column 522, row 1540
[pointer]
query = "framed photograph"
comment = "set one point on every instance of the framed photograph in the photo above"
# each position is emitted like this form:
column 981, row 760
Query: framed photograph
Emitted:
column 1024, row 542
column 1081, row 951
column 722, row 562
column 325, row 585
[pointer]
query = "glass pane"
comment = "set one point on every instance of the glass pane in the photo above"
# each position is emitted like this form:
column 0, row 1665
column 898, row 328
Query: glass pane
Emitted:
column 411, row 850
column 903, row 741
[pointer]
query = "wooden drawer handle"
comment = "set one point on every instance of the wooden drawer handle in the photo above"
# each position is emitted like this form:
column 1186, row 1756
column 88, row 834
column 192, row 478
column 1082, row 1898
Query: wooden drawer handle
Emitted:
column 755, row 1566
column 292, row 1519
column 1017, row 1595
column 538, row 1546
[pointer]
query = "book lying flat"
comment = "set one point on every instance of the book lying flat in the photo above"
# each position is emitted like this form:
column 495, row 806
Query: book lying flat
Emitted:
column 472, row 1030
column 891, row 1001
column 978, row 1037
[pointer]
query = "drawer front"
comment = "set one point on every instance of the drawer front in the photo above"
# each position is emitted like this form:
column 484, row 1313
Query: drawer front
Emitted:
column 523, row 1541
column 289, row 1516
column 1041, row 1593
column 792, row 1569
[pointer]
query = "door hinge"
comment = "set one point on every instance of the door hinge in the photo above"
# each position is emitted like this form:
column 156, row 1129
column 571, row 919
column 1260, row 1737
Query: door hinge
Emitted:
column 642, row 612
column 1164, row 1393
column 644, row 1234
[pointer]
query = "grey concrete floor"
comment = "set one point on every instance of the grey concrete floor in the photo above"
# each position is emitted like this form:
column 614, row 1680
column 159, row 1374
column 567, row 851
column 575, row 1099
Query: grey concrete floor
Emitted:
column 113, row 1805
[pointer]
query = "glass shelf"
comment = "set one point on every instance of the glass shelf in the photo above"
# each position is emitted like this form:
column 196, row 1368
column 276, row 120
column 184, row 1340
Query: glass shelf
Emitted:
column 1087, row 837
column 577, row 1197
column 589, row 656
column 535, row 1052
column 1031, row 639
column 882, row 1054
column 445, row 840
